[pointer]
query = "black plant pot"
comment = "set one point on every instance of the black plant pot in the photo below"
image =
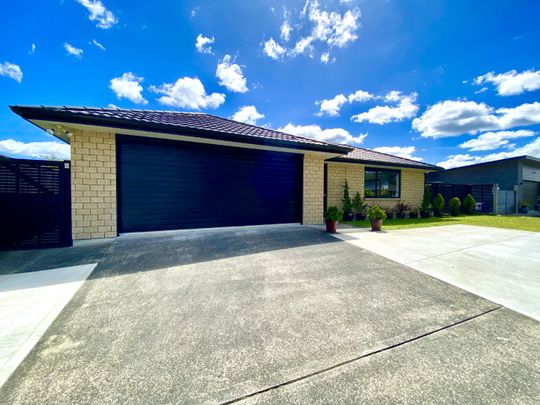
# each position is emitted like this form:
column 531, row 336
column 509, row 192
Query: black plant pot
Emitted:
column 425, row 214
column 360, row 217
column 413, row 214
column 348, row 216
column 400, row 215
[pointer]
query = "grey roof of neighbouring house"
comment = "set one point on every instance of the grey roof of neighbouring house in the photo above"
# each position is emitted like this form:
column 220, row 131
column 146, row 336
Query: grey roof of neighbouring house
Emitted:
column 182, row 123
column 367, row 156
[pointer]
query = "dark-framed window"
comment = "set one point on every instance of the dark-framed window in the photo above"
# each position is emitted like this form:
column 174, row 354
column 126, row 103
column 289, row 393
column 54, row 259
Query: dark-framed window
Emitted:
column 382, row 183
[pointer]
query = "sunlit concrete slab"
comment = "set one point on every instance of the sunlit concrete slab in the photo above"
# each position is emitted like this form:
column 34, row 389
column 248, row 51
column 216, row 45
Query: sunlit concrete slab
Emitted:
column 29, row 303
column 502, row 265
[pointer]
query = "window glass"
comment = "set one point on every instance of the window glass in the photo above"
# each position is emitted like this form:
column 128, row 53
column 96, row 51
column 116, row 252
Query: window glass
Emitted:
column 370, row 185
column 381, row 183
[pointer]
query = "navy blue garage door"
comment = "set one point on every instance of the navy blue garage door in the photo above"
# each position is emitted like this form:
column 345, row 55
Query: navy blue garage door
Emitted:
column 180, row 185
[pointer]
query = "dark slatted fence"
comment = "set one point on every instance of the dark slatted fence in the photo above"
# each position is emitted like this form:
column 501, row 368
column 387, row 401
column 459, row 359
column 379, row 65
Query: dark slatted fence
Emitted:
column 35, row 204
column 482, row 193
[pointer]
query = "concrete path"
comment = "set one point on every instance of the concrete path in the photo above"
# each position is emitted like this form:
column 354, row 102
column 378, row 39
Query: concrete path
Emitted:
column 501, row 265
column 278, row 314
column 29, row 303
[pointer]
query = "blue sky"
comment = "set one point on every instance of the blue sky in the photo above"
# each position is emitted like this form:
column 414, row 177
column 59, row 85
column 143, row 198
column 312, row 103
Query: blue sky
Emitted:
column 449, row 82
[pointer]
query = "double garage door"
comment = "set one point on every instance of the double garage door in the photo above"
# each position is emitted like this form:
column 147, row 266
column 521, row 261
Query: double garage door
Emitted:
column 180, row 185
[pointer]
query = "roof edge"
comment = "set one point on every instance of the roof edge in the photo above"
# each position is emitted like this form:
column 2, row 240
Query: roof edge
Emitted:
column 43, row 113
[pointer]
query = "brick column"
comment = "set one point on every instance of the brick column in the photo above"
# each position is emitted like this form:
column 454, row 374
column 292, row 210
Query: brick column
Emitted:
column 93, row 184
column 313, row 189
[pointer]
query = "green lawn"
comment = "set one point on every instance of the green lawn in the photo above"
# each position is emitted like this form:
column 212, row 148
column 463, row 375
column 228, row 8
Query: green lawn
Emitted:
column 508, row 222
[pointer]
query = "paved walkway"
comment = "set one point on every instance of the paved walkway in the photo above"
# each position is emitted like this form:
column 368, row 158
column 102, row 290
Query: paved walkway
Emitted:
column 502, row 265
column 29, row 303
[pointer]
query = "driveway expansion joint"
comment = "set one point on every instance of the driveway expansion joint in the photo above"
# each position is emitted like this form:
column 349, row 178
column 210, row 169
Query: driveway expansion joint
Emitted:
column 358, row 358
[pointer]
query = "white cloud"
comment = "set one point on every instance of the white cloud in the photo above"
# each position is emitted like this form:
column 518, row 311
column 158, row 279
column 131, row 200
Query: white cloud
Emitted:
column 401, row 151
column 531, row 149
column 128, row 86
column 96, row 43
column 333, row 28
column 332, row 106
column 35, row 149
column 99, row 13
column 11, row 70
column 248, row 114
column 70, row 49
column 203, row 44
column 495, row 140
column 406, row 108
column 332, row 135
column 273, row 50
column 315, row 27
column 360, row 96
column 286, row 31
column 452, row 118
column 32, row 49
column 231, row 76
column 188, row 92
column 512, row 83
column 325, row 57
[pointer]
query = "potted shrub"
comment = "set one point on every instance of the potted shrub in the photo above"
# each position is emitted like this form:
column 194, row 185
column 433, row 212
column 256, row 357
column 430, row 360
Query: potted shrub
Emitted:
column 359, row 207
column 438, row 205
column 376, row 215
column 347, row 203
column 469, row 204
column 524, row 208
column 413, row 213
column 401, row 208
column 425, row 208
column 454, row 205
column 332, row 216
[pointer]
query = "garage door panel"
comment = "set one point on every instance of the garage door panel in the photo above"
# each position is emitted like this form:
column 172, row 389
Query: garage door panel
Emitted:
column 175, row 185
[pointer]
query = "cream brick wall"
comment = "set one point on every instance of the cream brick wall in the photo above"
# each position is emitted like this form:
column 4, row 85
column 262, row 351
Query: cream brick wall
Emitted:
column 412, row 185
column 313, row 189
column 93, row 184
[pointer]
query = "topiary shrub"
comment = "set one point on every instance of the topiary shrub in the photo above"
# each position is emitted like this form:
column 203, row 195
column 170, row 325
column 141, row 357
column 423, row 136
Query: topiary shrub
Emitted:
column 425, row 208
column 454, row 205
column 438, row 205
column 469, row 204
column 347, row 203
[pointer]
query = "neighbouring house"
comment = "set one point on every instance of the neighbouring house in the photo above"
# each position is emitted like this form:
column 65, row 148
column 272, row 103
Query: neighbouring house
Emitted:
column 141, row 170
column 517, row 178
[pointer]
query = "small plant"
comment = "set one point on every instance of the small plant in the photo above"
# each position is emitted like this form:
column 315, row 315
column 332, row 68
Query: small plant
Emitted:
column 347, row 203
column 376, row 213
column 401, row 208
column 454, row 204
column 438, row 205
column 425, row 208
column 469, row 204
column 359, row 206
column 333, row 214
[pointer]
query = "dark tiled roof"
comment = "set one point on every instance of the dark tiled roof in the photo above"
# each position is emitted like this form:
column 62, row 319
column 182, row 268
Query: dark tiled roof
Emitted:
column 362, row 155
column 176, row 122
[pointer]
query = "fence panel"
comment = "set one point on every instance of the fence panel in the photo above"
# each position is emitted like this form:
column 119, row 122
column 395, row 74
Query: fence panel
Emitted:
column 35, row 204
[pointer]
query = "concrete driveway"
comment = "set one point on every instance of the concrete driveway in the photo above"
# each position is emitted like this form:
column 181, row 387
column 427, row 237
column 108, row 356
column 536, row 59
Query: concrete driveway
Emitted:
column 270, row 314
column 502, row 265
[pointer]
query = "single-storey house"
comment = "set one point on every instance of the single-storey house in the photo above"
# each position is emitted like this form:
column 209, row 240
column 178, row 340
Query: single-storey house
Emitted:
column 141, row 170
column 519, row 176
